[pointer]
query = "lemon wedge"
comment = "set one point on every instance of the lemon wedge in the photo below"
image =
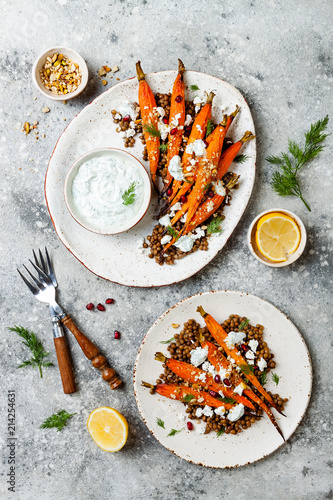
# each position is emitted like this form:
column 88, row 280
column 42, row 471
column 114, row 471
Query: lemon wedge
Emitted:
column 108, row 428
column 277, row 236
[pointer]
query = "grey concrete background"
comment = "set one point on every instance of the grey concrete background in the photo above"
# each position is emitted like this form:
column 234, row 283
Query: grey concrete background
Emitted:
column 279, row 54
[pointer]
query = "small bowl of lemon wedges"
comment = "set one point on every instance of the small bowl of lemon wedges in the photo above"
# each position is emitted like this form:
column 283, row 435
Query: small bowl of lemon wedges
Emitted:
column 276, row 237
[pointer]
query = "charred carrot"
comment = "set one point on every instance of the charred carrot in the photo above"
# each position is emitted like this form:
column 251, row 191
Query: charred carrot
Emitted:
column 216, row 358
column 220, row 335
column 149, row 117
column 176, row 119
column 192, row 374
column 230, row 119
column 230, row 154
column 180, row 392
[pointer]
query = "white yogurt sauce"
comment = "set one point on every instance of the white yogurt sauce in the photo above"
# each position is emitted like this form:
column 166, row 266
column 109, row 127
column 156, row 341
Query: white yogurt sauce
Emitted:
column 98, row 190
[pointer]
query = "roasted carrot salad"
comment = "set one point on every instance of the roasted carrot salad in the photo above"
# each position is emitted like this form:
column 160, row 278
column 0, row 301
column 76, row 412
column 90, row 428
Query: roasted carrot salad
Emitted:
column 219, row 372
column 189, row 157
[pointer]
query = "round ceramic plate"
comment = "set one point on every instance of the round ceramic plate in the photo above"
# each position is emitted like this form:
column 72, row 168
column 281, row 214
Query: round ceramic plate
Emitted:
column 117, row 257
column 293, row 366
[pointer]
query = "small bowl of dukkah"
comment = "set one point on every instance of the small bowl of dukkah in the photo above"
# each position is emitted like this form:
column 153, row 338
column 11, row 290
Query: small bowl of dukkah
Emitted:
column 60, row 73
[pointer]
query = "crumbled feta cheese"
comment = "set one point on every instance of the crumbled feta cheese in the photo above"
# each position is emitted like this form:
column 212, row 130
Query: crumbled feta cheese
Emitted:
column 219, row 188
column 132, row 124
column 223, row 373
column 166, row 239
column 193, row 162
column 200, row 428
column 199, row 233
column 198, row 356
column 117, row 116
column 250, row 362
column 139, row 245
column 220, row 411
column 188, row 120
column 239, row 388
column 175, row 168
column 178, row 116
column 165, row 220
column 208, row 367
column 261, row 364
column 183, row 218
column 189, row 169
column 164, row 129
column 198, row 412
column 127, row 108
column 182, row 417
column 198, row 101
column 199, row 128
column 207, row 411
column 185, row 243
column 122, row 134
column 236, row 413
column 234, row 338
column 160, row 111
column 202, row 377
column 253, row 344
column 130, row 132
column 197, row 147
column 250, row 355
column 210, row 206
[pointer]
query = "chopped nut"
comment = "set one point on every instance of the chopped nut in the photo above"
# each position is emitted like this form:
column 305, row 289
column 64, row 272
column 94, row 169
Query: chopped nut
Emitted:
column 60, row 74
column 107, row 69
column 175, row 325
column 101, row 71
column 104, row 82
column 43, row 135
column 35, row 123
column 54, row 58
column 46, row 109
column 26, row 128
column 115, row 69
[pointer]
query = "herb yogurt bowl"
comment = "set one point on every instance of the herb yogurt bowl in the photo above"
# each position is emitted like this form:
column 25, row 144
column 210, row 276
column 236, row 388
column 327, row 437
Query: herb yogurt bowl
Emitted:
column 107, row 191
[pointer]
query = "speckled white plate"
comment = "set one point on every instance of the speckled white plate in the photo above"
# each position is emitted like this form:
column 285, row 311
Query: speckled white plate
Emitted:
column 116, row 257
column 293, row 366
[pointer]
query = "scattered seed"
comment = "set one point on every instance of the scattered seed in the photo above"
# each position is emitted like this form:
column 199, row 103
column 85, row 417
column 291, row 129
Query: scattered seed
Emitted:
column 90, row 306
column 100, row 307
column 46, row 109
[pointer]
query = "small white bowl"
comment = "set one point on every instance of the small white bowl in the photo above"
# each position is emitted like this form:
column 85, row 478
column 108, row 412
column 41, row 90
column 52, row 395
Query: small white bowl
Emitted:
column 119, row 153
column 39, row 63
column 251, row 239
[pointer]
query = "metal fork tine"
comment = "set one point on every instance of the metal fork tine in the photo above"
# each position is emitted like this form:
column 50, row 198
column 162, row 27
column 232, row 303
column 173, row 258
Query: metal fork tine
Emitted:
column 38, row 283
column 50, row 269
column 35, row 257
column 43, row 277
column 29, row 285
column 42, row 262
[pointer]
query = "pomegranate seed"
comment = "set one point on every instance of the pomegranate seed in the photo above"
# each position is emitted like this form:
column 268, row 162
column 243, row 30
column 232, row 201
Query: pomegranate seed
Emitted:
column 165, row 120
column 210, row 193
column 227, row 382
column 169, row 192
column 256, row 367
column 127, row 118
column 179, row 98
column 90, row 306
column 109, row 301
column 190, row 426
column 217, row 378
column 100, row 307
column 116, row 334
column 183, row 198
column 173, row 131
column 214, row 394
column 244, row 347
column 188, row 129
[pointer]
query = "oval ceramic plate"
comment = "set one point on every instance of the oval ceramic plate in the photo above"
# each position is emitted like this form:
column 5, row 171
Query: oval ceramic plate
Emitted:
column 293, row 366
column 116, row 257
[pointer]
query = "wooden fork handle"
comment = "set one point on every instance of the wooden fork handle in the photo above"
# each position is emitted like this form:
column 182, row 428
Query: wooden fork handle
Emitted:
column 92, row 353
column 65, row 365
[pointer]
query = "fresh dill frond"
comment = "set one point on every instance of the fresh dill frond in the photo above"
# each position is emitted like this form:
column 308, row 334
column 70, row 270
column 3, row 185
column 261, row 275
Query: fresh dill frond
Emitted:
column 129, row 195
column 58, row 420
column 152, row 130
column 214, row 225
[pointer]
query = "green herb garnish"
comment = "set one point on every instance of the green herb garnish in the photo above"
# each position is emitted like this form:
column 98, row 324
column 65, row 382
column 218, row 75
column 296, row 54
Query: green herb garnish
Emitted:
column 36, row 347
column 275, row 378
column 286, row 183
column 152, row 130
column 163, row 147
column 58, row 420
column 160, row 422
column 173, row 432
column 167, row 341
column 243, row 324
column 188, row 398
column 246, row 369
column 241, row 158
column 228, row 401
column 210, row 128
column 220, row 431
column 173, row 232
column 263, row 378
column 129, row 195
column 214, row 225
column 194, row 87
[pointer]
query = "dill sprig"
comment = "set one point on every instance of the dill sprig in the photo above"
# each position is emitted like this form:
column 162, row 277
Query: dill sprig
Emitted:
column 173, row 432
column 220, row 431
column 129, row 195
column 188, row 398
column 263, row 378
column 275, row 378
column 152, row 130
column 210, row 128
column 285, row 182
column 58, row 420
column 214, row 225
column 173, row 232
column 194, row 87
column 229, row 401
column 167, row 341
column 36, row 347
column 241, row 159
column 160, row 422
column 243, row 324
column 163, row 147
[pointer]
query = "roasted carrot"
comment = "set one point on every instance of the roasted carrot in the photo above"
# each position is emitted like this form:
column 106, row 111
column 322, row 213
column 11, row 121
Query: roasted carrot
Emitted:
column 220, row 335
column 192, row 374
column 230, row 154
column 230, row 119
column 176, row 119
column 149, row 117
column 216, row 358
column 180, row 392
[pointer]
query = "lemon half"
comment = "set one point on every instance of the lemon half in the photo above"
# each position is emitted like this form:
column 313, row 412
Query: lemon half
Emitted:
column 108, row 428
column 277, row 236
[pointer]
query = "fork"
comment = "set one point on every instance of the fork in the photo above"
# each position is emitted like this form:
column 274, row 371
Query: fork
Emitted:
column 44, row 291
